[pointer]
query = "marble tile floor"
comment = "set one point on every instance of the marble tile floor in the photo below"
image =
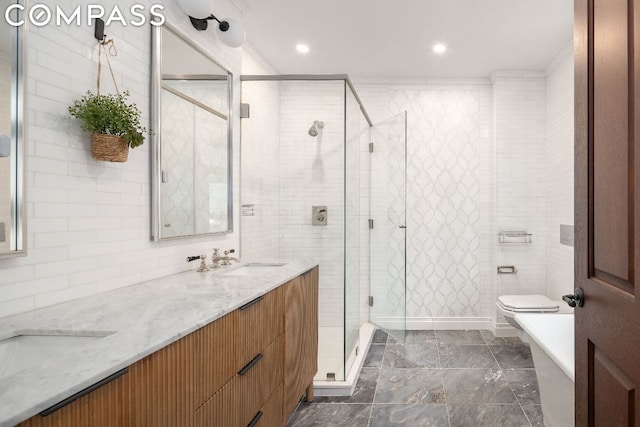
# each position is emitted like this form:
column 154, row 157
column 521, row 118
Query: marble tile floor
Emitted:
column 436, row 378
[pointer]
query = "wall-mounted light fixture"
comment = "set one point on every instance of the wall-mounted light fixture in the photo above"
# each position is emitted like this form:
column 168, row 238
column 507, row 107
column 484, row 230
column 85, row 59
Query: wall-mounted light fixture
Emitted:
column 229, row 30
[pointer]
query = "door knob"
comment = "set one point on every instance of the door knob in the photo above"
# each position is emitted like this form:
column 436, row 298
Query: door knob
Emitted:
column 577, row 298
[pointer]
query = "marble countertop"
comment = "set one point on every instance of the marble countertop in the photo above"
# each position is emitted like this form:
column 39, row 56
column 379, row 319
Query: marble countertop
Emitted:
column 141, row 319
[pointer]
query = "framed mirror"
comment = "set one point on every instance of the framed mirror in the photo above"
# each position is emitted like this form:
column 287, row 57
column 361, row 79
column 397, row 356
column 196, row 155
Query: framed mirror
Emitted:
column 12, row 129
column 192, row 153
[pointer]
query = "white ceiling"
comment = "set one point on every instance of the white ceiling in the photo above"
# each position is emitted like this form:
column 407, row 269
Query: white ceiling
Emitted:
column 394, row 38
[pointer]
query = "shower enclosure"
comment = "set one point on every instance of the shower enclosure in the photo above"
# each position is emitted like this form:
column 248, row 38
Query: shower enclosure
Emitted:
column 388, row 236
column 301, row 151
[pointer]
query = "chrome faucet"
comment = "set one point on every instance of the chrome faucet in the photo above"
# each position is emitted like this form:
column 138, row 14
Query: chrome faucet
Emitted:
column 219, row 261
column 203, row 265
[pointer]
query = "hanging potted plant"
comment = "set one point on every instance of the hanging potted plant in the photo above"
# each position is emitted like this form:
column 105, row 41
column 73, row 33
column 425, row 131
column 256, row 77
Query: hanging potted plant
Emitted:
column 114, row 124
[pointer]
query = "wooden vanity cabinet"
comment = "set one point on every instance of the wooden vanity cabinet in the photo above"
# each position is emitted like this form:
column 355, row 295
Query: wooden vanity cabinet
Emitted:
column 301, row 338
column 250, row 367
column 257, row 365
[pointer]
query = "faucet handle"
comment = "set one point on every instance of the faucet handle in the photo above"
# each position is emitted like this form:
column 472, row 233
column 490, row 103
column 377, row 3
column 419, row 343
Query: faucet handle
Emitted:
column 203, row 265
column 215, row 258
column 226, row 258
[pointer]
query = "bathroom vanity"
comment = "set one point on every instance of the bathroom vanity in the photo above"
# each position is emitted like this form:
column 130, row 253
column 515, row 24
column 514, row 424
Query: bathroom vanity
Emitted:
column 220, row 348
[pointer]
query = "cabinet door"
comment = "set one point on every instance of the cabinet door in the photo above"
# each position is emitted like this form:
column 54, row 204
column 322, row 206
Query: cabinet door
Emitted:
column 301, row 337
column 162, row 386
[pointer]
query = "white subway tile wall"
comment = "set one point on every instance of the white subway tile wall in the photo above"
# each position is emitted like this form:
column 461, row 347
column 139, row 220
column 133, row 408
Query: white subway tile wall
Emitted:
column 286, row 171
column 260, row 180
column 312, row 173
column 355, row 127
column 520, row 139
column 559, row 173
column 5, row 129
column 89, row 225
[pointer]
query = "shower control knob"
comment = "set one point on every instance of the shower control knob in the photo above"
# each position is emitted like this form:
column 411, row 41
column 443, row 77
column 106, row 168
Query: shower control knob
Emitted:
column 575, row 299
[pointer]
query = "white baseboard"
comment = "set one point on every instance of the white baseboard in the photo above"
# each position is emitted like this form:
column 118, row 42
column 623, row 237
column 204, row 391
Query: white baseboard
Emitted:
column 504, row 330
column 345, row 388
column 449, row 323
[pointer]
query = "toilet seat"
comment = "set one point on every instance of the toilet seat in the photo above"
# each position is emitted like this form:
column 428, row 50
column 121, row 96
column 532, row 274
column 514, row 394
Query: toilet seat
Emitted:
column 527, row 304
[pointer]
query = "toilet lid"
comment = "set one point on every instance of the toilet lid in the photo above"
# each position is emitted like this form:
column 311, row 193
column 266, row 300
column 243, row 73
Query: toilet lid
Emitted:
column 527, row 303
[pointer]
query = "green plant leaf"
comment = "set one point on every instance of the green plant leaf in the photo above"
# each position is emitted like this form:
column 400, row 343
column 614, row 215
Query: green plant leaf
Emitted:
column 110, row 114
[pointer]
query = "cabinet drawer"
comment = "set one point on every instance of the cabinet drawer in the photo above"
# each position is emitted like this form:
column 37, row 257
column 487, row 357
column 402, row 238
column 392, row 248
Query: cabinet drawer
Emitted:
column 104, row 407
column 270, row 415
column 215, row 357
column 237, row 403
column 221, row 410
column 257, row 382
column 258, row 322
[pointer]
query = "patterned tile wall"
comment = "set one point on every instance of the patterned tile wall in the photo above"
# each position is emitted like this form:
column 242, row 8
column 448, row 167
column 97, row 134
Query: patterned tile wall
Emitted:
column 443, row 205
column 211, row 169
column 196, row 161
column 449, row 241
column 388, row 212
column 476, row 165
column 178, row 200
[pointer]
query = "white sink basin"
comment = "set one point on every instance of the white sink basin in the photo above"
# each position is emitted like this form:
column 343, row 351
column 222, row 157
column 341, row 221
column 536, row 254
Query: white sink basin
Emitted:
column 254, row 269
column 27, row 351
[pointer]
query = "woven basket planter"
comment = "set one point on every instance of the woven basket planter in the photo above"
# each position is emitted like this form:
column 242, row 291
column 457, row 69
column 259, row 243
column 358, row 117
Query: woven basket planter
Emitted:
column 109, row 148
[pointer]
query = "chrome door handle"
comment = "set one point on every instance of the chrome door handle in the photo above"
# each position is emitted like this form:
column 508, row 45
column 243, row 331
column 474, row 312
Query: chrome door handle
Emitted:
column 577, row 298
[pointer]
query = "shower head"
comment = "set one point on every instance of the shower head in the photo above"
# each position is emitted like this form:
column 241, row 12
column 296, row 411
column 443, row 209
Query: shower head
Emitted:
column 313, row 130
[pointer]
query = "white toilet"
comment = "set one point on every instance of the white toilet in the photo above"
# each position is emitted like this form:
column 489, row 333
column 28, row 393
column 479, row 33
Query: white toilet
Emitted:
column 510, row 305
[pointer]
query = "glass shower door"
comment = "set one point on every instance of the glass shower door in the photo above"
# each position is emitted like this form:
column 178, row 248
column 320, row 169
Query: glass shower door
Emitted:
column 388, row 237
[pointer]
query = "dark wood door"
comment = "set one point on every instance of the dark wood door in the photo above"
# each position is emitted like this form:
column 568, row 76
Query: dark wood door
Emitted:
column 607, row 180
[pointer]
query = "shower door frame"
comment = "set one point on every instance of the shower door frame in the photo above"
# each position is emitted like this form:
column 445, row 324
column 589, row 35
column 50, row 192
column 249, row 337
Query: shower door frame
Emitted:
column 393, row 225
column 347, row 81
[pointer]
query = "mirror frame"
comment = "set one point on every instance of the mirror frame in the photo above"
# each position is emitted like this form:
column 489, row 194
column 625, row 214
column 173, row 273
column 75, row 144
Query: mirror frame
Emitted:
column 18, row 228
column 156, row 138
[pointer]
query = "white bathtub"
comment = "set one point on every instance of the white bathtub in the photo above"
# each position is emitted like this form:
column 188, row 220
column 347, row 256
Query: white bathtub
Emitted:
column 552, row 348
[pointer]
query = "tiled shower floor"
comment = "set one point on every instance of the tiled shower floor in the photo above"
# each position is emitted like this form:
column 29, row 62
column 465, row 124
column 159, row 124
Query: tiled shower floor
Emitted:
column 436, row 378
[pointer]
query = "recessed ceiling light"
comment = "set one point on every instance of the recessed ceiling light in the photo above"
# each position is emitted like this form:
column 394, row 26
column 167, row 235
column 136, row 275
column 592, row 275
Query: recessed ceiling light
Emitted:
column 302, row 48
column 439, row 48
